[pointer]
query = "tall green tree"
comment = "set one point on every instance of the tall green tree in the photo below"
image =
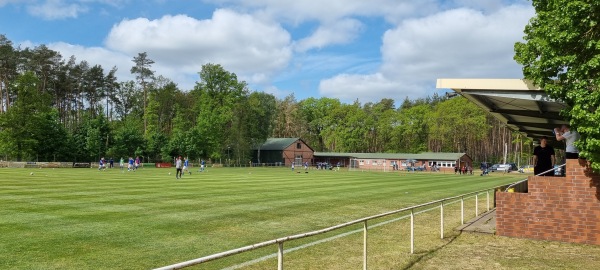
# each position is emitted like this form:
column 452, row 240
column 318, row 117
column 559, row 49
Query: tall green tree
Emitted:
column 288, row 122
column 456, row 125
column 319, row 120
column 127, row 100
column 93, row 87
column 143, row 74
column 561, row 54
column 349, row 129
column 109, row 90
column 52, row 138
column 128, row 138
column 23, row 124
column 253, row 124
column 219, row 93
column 8, row 71
column 44, row 62
column 413, row 127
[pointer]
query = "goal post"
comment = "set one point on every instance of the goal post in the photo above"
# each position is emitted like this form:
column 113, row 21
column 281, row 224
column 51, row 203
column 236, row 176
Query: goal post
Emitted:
column 354, row 165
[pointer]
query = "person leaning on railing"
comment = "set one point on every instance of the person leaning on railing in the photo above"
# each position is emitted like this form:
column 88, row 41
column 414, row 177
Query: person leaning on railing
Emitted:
column 543, row 158
column 565, row 133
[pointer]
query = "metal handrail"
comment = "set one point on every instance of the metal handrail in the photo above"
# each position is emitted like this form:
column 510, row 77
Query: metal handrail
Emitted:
column 364, row 220
column 539, row 174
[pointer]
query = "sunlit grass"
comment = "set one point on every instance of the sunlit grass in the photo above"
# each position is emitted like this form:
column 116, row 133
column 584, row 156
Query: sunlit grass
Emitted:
column 90, row 219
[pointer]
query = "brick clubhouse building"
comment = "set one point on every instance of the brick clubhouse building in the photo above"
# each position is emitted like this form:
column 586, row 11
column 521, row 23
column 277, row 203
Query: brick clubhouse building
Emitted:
column 285, row 151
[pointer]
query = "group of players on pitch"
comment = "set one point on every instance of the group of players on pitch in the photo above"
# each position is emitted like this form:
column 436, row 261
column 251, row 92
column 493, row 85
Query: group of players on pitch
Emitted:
column 183, row 166
column 132, row 165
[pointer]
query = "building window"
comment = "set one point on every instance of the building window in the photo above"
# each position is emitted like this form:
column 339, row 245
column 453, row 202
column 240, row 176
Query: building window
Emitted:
column 362, row 162
column 446, row 164
column 298, row 160
column 298, row 146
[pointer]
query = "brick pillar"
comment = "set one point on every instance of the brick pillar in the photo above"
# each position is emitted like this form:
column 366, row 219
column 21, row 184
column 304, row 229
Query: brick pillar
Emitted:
column 556, row 208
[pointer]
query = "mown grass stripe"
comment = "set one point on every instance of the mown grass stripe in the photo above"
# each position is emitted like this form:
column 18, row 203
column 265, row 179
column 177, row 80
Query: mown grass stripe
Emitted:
column 84, row 218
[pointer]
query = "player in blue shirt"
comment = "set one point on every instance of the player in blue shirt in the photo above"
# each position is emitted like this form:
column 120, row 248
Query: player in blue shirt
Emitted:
column 130, row 165
column 185, row 166
column 202, row 164
column 101, row 164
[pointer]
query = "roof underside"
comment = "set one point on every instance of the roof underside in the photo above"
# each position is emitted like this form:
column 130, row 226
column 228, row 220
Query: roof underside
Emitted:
column 517, row 103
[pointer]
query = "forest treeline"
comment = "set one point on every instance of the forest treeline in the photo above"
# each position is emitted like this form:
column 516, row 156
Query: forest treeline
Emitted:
column 61, row 109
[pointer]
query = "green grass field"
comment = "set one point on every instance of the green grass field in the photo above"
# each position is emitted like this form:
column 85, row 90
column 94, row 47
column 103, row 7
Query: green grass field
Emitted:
column 90, row 219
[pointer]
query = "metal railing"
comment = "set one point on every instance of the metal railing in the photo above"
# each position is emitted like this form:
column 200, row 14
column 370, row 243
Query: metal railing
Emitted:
column 539, row 174
column 280, row 241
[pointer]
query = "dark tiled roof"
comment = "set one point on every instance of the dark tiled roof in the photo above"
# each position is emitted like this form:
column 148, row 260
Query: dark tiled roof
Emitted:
column 275, row 144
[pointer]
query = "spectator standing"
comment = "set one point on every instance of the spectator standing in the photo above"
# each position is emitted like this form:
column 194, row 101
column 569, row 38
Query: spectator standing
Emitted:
column 564, row 133
column 543, row 158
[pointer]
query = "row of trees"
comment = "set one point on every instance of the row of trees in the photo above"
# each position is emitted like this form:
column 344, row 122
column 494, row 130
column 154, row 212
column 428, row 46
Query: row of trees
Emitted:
column 60, row 109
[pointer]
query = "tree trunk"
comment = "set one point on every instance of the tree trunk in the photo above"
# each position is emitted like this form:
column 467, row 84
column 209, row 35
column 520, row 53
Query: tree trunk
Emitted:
column 1, row 98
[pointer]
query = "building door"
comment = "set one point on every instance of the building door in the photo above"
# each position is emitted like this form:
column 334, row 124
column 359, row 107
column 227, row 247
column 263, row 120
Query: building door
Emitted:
column 298, row 160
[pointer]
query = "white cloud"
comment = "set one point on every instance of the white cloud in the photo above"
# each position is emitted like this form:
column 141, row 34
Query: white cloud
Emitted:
column 6, row 2
column 349, row 87
column 241, row 43
column 97, row 56
column 110, row 58
column 460, row 42
column 339, row 32
column 455, row 43
column 487, row 6
column 56, row 9
column 332, row 10
column 60, row 9
column 278, row 93
column 114, row 3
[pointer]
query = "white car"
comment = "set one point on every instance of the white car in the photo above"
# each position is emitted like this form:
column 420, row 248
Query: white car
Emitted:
column 507, row 167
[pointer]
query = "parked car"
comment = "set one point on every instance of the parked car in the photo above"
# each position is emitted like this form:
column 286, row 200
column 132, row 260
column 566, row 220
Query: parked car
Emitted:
column 526, row 169
column 509, row 167
column 494, row 167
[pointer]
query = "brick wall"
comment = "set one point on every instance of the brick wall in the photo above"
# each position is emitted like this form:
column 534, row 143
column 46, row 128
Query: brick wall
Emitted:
column 556, row 208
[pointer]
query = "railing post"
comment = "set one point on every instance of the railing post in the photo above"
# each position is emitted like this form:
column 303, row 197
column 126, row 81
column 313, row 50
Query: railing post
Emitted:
column 476, row 204
column 462, row 210
column 442, row 220
column 280, row 256
column 365, row 246
column 412, row 231
column 488, row 199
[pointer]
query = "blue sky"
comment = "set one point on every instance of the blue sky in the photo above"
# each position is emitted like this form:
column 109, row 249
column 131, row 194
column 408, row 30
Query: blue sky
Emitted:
column 346, row 49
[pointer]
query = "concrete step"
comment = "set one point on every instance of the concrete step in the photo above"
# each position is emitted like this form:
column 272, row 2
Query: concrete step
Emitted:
column 485, row 223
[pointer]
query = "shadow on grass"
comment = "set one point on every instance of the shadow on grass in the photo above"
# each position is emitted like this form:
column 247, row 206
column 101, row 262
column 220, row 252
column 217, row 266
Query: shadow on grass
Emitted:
column 429, row 253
